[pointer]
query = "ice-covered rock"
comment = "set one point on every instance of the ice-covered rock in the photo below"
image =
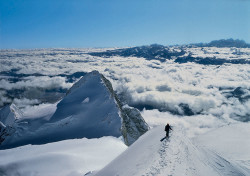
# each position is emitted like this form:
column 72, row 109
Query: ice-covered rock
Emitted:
column 9, row 114
column 90, row 109
column 5, row 132
column 133, row 125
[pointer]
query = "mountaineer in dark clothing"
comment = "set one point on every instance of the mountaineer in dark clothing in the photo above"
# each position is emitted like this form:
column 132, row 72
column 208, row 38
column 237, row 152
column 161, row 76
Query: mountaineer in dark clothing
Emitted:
column 167, row 128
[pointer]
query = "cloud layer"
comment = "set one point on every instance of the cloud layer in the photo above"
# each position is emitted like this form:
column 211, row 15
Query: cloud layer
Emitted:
column 194, row 95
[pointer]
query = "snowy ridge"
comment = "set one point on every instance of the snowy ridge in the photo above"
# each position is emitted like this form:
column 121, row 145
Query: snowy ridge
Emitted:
column 175, row 156
column 90, row 109
column 9, row 114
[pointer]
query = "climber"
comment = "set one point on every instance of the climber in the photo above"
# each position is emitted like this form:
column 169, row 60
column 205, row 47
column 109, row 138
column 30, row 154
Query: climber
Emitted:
column 167, row 128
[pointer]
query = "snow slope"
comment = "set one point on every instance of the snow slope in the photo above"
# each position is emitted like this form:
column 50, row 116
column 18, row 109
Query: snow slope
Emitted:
column 73, row 157
column 175, row 156
column 73, row 117
column 90, row 109
column 9, row 114
column 231, row 141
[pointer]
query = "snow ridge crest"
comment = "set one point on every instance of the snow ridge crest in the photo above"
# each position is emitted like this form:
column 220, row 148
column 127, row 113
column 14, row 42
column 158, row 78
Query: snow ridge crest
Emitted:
column 90, row 109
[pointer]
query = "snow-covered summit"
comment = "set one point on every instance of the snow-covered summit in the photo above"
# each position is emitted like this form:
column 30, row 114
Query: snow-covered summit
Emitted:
column 93, row 100
column 96, row 117
column 90, row 109
column 175, row 156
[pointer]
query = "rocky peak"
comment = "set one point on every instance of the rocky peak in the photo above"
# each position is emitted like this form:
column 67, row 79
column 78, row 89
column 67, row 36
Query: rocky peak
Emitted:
column 90, row 109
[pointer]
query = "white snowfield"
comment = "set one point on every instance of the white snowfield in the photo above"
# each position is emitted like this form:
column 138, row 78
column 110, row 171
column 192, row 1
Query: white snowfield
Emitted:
column 73, row 157
column 176, row 156
column 231, row 141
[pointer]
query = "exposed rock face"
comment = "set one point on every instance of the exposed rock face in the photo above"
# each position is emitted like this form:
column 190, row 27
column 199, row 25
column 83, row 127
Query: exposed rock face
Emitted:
column 90, row 109
column 8, row 116
column 133, row 124
column 5, row 132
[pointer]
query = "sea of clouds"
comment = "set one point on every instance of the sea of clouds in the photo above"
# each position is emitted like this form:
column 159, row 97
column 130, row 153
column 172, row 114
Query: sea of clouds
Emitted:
column 195, row 96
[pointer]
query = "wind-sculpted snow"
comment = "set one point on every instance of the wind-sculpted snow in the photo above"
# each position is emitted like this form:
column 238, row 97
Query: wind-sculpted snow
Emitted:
column 175, row 156
column 90, row 109
column 73, row 157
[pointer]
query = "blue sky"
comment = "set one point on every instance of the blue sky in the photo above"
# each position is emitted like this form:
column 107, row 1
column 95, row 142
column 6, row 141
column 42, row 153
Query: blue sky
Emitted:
column 109, row 23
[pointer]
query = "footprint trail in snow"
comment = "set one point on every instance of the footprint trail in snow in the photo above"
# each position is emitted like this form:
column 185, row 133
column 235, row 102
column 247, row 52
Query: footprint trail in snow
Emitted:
column 172, row 157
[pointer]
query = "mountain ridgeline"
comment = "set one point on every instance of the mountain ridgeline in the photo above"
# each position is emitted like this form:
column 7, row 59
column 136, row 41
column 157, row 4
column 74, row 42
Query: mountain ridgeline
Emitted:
column 175, row 156
column 90, row 109
column 178, row 53
column 224, row 43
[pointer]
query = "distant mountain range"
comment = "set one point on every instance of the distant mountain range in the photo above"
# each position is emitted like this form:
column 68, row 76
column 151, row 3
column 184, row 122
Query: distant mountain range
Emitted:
column 179, row 53
column 224, row 43
column 155, row 51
